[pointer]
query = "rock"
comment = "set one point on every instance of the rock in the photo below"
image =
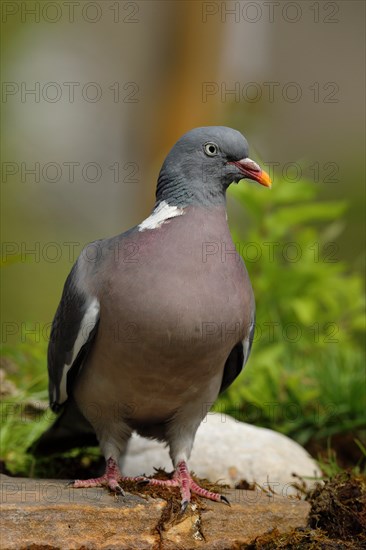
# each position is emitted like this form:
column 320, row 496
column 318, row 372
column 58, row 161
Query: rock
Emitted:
column 46, row 514
column 228, row 450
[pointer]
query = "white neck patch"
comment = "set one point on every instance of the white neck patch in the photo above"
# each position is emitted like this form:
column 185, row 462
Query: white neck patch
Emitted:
column 161, row 214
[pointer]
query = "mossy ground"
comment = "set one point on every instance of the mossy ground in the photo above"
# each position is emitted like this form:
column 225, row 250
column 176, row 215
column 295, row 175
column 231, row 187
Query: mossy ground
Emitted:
column 337, row 519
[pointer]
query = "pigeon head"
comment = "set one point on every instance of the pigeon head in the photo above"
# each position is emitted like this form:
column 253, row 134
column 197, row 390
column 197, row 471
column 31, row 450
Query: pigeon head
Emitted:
column 203, row 163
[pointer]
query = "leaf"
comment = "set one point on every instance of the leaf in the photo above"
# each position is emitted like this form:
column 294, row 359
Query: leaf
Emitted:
column 309, row 212
column 304, row 309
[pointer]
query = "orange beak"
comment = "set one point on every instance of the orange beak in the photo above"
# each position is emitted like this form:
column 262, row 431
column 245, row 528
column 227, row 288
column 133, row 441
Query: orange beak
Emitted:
column 251, row 170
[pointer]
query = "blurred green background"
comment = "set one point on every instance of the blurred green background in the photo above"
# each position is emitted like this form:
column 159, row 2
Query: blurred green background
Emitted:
column 94, row 94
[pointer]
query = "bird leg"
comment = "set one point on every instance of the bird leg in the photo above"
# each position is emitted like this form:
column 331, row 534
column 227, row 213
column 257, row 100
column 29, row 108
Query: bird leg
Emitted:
column 110, row 478
column 183, row 479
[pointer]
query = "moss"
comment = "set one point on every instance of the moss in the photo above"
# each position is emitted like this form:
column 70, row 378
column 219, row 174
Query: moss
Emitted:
column 339, row 507
column 337, row 519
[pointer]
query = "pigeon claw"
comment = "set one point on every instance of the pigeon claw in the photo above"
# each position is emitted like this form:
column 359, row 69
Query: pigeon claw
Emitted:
column 182, row 479
column 102, row 481
column 224, row 500
column 142, row 480
column 109, row 479
column 116, row 488
column 184, row 505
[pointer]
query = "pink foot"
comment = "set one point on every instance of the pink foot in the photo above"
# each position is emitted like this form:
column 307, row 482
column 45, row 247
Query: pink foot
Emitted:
column 111, row 479
column 182, row 479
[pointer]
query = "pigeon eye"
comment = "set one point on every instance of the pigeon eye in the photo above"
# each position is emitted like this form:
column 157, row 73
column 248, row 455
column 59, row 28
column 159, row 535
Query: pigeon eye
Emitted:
column 211, row 149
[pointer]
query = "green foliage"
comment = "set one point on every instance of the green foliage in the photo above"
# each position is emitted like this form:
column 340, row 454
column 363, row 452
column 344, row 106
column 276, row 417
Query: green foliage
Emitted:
column 302, row 398
column 330, row 467
column 25, row 415
column 305, row 376
column 24, row 412
column 21, row 425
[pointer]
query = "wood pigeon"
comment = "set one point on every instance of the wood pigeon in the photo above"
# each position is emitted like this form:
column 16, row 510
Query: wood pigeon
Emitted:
column 154, row 323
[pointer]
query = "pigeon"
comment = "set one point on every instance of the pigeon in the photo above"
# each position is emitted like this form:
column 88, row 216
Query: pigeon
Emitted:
column 155, row 323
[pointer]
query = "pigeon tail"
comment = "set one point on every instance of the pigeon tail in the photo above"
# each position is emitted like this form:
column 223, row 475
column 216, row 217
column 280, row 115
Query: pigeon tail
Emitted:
column 70, row 430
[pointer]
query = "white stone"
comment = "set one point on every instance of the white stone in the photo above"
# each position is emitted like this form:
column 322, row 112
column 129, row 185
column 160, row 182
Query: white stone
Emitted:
column 228, row 450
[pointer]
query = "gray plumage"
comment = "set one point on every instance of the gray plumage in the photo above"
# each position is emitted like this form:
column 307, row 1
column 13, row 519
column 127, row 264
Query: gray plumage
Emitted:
column 158, row 320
